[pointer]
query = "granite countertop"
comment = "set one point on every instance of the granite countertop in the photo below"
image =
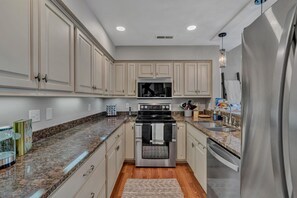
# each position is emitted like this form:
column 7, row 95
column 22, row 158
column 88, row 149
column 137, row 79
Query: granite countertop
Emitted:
column 52, row 160
column 229, row 140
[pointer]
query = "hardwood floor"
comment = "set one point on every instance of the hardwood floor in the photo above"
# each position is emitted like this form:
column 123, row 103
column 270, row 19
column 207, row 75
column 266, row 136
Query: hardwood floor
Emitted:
column 183, row 173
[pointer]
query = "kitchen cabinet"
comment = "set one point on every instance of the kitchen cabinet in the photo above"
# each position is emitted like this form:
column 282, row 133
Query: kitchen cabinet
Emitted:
column 88, row 179
column 83, row 63
column 155, row 70
column 198, row 79
column 119, row 79
column 130, row 140
column 98, row 71
column 115, row 157
column 181, row 141
column 131, row 79
column 163, row 70
column 178, row 79
column 196, row 154
column 108, row 74
column 19, row 43
column 57, row 49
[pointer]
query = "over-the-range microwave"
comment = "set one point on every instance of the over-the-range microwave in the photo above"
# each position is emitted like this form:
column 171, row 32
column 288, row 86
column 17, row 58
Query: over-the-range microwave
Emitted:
column 154, row 89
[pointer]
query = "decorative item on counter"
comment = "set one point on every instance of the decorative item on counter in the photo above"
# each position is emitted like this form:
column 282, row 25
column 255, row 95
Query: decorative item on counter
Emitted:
column 215, row 116
column 220, row 115
column 7, row 146
column 196, row 115
column 188, row 108
column 24, row 129
column 111, row 110
column 218, row 101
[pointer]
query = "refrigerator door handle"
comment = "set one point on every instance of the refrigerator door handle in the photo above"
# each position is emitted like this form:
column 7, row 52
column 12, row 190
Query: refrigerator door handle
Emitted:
column 222, row 160
column 279, row 76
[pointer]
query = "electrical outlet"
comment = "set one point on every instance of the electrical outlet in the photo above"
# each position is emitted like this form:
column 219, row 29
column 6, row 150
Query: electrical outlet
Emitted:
column 49, row 113
column 34, row 115
column 127, row 105
column 89, row 107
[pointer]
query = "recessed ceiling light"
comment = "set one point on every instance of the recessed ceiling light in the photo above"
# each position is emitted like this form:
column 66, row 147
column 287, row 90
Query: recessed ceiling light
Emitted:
column 191, row 27
column 121, row 28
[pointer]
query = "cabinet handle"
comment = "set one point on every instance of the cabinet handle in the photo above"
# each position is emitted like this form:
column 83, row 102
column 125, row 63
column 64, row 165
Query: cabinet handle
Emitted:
column 45, row 78
column 118, row 147
column 132, row 127
column 106, row 90
column 38, row 77
column 123, row 90
column 95, row 87
column 192, row 145
column 92, row 195
column 89, row 171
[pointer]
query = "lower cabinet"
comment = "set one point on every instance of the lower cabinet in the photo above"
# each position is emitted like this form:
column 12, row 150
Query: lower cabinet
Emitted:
column 196, row 154
column 130, row 140
column 114, row 157
column 181, row 141
column 87, row 180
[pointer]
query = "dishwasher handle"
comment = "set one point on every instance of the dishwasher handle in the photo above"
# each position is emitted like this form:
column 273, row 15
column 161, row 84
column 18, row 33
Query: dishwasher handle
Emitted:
column 223, row 160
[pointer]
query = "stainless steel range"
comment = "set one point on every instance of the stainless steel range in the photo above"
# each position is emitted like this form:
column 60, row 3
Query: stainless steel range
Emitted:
column 155, row 136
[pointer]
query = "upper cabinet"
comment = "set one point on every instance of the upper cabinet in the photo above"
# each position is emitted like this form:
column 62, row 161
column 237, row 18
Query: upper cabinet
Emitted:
column 57, row 49
column 83, row 63
column 178, row 79
column 98, row 71
column 155, row 70
column 131, row 79
column 19, row 43
column 119, row 79
column 198, row 79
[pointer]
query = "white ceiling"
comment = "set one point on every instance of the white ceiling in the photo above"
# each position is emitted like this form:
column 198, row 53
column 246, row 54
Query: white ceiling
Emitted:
column 145, row 19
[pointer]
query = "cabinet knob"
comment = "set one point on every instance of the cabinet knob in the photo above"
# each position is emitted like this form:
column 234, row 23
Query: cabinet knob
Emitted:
column 45, row 78
column 192, row 145
column 123, row 90
column 106, row 90
column 38, row 77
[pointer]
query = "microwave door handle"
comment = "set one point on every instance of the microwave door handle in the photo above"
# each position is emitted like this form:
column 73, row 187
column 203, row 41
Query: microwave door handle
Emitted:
column 222, row 160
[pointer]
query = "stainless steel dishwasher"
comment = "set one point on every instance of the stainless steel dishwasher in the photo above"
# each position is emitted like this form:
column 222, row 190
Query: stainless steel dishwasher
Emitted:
column 223, row 175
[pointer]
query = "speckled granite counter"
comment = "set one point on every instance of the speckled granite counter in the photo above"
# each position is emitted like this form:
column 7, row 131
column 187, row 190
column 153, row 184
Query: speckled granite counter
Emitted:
column 50, row 161
column 231, row 141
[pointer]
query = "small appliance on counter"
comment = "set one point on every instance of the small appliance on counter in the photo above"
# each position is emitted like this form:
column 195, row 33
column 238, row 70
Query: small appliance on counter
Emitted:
column 111, row 110
column 7, row 146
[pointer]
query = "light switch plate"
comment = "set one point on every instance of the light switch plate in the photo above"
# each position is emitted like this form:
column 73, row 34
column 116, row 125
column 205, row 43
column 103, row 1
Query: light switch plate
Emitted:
column 49, row 114
column 34, row 115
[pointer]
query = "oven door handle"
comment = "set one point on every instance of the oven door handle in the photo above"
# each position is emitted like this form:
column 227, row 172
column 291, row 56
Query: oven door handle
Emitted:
column 223, row 160
column 138, row 140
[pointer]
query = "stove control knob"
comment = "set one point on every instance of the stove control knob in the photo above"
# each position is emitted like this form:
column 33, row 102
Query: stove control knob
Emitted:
column 145, row 107
column 163, row 107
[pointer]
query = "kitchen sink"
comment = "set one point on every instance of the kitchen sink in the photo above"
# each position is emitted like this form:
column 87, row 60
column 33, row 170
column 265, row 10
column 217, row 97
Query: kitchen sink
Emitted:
column 207, row 124
column 221, row 129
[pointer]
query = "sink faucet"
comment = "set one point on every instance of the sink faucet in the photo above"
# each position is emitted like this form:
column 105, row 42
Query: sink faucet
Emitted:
column 230, row 114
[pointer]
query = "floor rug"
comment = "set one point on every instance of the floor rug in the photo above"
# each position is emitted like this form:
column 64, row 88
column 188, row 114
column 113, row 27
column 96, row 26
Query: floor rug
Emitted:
column 152, row 188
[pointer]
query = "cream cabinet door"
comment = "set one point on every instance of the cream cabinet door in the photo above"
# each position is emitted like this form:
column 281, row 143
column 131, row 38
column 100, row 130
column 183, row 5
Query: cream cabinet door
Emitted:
column 83, row 63
column 111, row 78
column 111, row 166
column 204, row 79
column 119, row 79
column 98, row 71
column 19, row 43
column 129, row 141
column 201, row 164
column 131, row 79
column 164, row 70
column 57, row 49
column 191, row 79
column 178, row 79
column 191, row 152
column 181, row 141
column 146, row 70
column 120, row 155
column 106, row 76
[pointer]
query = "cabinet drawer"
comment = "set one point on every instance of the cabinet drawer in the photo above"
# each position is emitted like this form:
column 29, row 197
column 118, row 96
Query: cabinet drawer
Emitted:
column 70, row 187
column 94, row 184
column 114, row 137
column 197, row 134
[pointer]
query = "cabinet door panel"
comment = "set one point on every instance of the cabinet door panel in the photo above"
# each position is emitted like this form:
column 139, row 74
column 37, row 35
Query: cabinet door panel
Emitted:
column 131, row 80
column 181, row 141
column 163, row 70
column 146, row 70
column 204, row 79
column 119, row 79
column 191, row 79
column 111, row 169
column 106, row 76
column 200, row 164
column 120, row 155
column 57, row 49
column 178, row 79
column 190, row 152
column 98, row 71
column 83, row 65
column 130, row 140
column 18, row 43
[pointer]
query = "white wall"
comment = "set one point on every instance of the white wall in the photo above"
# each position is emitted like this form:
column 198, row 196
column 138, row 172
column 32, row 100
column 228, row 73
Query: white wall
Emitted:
column 234, row 63
column 176, row 53
column 84, row 14
column 121, row 103
column 64, row 109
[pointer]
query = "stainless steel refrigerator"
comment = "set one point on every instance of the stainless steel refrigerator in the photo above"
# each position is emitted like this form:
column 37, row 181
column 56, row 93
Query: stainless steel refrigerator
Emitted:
column 269, row 139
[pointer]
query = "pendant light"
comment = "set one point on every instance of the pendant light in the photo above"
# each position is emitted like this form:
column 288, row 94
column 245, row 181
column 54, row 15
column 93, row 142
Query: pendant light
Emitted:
column 223, row 58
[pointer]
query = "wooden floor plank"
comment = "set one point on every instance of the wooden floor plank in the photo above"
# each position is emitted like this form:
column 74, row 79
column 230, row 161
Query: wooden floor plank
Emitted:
column 183, row 173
